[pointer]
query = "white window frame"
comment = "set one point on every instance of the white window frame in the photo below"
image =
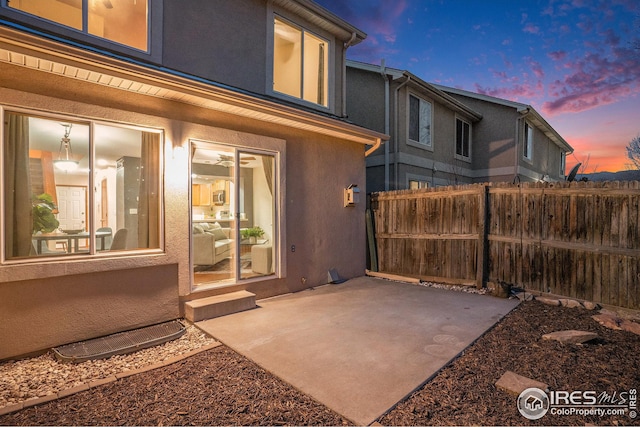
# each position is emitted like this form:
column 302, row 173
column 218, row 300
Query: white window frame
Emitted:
column 527, row 142
column 563, row 164
column 271, row 64
column 422, row 101
column 470, row 138
column 91, row 200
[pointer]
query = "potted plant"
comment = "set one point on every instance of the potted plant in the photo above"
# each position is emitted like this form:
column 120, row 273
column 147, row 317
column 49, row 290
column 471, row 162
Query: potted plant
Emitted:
column 44, row 211
column 253, row 233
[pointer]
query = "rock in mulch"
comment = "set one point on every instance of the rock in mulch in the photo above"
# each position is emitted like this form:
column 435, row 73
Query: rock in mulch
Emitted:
column 591, row 305
column 570, row 303
column 611, row 320
column 608, row 321
column 548, row 301
column 515, row 384
column 629, row 326
column 571, row 336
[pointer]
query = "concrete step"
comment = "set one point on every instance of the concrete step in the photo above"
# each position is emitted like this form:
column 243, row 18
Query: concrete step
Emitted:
column 219, row 305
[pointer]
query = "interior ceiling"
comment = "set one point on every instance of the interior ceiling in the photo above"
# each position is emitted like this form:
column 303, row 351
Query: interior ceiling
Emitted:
column 114, row 142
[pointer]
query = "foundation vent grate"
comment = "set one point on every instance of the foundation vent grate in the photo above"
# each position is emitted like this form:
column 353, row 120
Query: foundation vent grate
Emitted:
column 120, row 343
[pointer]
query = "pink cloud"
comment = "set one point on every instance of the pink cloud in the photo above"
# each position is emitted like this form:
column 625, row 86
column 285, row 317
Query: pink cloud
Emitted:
column 536, row 68
column 596, row 80
column 557, row 55
column 519, row 92
column 531, row 29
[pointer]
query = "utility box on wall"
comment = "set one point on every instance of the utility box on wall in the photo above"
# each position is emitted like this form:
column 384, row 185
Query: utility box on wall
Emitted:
column 351, row 196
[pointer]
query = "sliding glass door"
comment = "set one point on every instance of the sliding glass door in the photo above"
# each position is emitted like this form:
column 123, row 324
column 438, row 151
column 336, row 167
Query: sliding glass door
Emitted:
column 233, row 214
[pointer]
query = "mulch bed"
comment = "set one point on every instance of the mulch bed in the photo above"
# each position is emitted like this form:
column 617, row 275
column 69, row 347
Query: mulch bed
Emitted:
column 464, row 392
column 220, row 387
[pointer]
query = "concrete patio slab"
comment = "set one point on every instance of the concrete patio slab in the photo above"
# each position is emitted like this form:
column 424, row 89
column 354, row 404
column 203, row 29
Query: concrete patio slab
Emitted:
column 361, row 346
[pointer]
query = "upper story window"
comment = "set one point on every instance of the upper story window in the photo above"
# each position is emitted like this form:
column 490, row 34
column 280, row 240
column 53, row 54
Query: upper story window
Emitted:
column 463, row 139
column 420, row 120
column 563, row 164
column 415, row 184
column 120, row 21
column 527, row 149
column 300, row 63
column 75, row 187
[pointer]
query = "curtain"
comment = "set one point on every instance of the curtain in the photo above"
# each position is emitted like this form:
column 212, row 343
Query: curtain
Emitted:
column 149, row 197
column 267, row 164
column 19, row 216
column 321, row 74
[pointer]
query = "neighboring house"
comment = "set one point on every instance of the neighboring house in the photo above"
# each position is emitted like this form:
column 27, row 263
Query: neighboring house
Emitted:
column 431, row 132
column 444, row 136
column 515, row 143
column 157, row 127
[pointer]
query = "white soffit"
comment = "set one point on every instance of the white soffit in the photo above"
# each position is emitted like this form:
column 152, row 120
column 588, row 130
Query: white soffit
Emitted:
column 138, row 79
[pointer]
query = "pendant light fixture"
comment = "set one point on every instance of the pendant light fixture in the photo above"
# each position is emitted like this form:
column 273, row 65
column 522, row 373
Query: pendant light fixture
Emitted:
column 65, row 160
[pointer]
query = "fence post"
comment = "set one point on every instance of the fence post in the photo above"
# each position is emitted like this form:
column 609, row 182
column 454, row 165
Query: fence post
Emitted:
column 482, row 260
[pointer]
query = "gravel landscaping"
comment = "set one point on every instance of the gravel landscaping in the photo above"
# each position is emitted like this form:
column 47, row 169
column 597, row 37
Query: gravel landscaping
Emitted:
column 221, row 387
column 44, row 375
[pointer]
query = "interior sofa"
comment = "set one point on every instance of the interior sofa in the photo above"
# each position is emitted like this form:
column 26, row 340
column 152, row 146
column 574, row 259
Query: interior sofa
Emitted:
column 211, row 243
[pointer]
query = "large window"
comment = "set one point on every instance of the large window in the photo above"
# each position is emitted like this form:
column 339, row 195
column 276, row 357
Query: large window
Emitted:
column 121, row 21
column 419, row 121
column 300, row 63
column 76, row 188
column 463, row 139
column 527, row 149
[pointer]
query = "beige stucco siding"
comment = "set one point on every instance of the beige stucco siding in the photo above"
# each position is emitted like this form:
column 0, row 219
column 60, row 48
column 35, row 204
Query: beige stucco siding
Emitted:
column 193, row 41
column 40, row 300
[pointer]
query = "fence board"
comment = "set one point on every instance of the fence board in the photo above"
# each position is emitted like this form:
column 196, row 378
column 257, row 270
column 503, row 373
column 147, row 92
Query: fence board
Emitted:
column 581, row 240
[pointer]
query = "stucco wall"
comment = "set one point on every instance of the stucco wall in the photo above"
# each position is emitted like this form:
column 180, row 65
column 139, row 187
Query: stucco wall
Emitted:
column 201, row 39
column 493, row 137
column 42, row 313
column 365, row 100
column 131, row 291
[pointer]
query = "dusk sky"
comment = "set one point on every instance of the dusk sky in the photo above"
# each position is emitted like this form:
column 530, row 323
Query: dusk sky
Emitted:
column 577, row 62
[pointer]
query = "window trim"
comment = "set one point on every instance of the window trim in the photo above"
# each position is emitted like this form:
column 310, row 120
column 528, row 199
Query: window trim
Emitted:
column 93, row 254
column 563, row 165
column 470, row 139
column 329, row 66
column 428, row 146
column 527, row 143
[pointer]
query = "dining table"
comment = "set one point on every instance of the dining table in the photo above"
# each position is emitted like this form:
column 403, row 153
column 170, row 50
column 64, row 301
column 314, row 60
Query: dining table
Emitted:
column 72, row 240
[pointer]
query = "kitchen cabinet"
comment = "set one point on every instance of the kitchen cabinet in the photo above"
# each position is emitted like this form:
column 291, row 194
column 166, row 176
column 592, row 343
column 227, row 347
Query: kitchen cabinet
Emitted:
column 201, row 194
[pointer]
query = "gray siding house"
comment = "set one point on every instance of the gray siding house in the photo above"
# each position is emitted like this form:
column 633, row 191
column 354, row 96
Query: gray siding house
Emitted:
column 445, row 136
column 515, row 142
column 139, row 147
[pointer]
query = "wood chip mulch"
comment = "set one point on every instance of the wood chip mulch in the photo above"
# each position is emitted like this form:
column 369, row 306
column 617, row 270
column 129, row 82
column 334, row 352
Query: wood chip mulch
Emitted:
column 464, row 392
column 221, row 387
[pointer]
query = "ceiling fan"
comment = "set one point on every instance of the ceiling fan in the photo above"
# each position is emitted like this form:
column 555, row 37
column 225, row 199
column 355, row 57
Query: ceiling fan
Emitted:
column 227, row 161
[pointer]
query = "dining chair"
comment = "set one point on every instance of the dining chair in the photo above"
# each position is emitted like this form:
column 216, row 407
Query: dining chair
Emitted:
column 107, row 240
column 119, row 241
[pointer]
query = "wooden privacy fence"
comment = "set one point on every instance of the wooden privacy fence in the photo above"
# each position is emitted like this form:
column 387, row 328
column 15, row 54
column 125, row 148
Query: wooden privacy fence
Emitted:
column 579, row 240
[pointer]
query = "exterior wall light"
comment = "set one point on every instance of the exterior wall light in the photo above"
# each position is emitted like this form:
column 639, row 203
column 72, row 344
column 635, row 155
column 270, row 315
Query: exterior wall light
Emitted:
column 351, row 195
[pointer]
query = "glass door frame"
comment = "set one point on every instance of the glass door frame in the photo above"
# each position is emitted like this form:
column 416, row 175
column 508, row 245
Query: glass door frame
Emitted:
column 235, row 178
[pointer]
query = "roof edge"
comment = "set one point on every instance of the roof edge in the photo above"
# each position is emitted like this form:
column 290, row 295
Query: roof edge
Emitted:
column 32, row 50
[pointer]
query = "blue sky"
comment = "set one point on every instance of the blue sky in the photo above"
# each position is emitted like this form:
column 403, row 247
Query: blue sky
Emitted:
column 577, row 62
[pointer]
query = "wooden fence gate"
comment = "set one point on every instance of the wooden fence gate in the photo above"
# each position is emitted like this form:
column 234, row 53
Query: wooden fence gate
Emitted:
column 580, row 240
